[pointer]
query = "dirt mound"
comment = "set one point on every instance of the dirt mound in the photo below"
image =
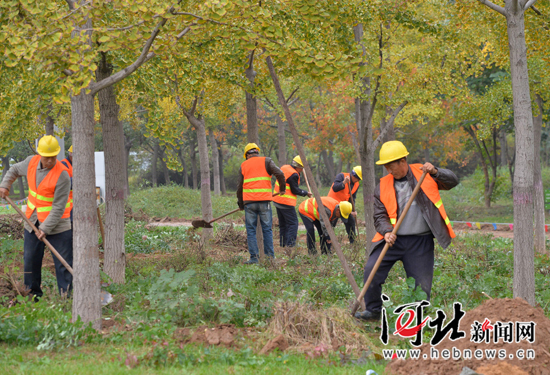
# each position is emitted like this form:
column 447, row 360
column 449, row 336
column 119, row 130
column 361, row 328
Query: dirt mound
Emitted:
column 496, row 310
column 11, row 227
column 501, row 368
column 280, row 342
column 222, row 334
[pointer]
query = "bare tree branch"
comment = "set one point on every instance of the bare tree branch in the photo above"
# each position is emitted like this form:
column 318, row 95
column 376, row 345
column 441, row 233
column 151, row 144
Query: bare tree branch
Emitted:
column 389, row 124
column 291, row 94
column 529, row 4
column 494, row 7
column 70, row 3
column 144, row 57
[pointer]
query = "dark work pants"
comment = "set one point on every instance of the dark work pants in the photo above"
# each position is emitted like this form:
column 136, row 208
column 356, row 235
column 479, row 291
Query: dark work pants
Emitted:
column 417, row 255
column 310, row 229
column 288, row 226
column 350, row 228
column 33, row 254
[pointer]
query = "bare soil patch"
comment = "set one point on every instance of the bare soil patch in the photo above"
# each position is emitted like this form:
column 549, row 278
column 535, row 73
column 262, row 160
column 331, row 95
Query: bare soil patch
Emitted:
column 220, row 335
column 503, row 310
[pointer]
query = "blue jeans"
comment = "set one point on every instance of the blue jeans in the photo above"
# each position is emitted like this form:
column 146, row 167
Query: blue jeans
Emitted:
column 288, row 226
column 252, row 211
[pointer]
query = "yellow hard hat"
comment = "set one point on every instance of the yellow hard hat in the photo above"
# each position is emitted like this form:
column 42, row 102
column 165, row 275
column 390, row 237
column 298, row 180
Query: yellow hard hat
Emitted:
column 298, row 160
column 71, row 148
column 391, row 151
column 358, row 171
column 48, row 146
column 249, row 147
column 345, row 209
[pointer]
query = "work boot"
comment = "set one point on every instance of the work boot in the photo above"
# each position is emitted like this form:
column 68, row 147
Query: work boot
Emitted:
column 367, row 315
column 251, row 261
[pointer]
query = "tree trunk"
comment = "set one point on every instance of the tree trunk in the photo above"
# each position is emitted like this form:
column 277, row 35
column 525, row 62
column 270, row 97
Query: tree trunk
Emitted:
column 282, row 140
column 185, row 178
column 49, row 125
column 127, row 148
column 524, row 260
column 215, row 163
column 426, row 154
column 154, row 163
column 206, row 200
column 540, row 236
column 329, row 164
column 165, row 169
column 114, row 148
column 21, row 188
column 193, row 157
column 86, row 302
column 503, row 147
column 222, row 179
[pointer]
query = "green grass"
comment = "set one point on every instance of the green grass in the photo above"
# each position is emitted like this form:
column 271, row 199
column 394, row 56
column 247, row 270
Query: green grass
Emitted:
column 109, row 359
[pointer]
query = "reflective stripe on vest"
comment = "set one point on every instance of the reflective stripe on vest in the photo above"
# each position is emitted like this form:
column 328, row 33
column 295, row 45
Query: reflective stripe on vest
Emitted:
column 288, row 198
column 257, row 182
column 41, row 197
column 429, row 187
column 309, row 207
column 343, row 195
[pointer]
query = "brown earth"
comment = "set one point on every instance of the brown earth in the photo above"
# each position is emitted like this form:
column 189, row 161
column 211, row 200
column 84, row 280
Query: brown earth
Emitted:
column 501, row 368
column 280, row 342
column 11, row 225
column 222, row 334
column 503, row 310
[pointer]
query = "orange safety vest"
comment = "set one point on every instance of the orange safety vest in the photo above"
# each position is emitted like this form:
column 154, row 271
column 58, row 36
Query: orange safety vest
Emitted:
column 41, row 198
column 429, row 187
column 288, row 198
column 70, row 167
column 309, row 207
column 343, row 195
column 257, row 182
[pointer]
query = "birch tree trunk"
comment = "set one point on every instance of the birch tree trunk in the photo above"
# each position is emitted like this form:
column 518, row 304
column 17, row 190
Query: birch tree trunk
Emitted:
column 540, row 236
column 524, row 260
column 282, row 140
column 114, row 148
column 215, row 162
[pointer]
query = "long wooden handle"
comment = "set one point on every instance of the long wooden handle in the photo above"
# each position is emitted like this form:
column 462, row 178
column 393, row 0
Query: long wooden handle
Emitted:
column 387, row 245
column 307, row 183
column 224, row 215
column 48, row 244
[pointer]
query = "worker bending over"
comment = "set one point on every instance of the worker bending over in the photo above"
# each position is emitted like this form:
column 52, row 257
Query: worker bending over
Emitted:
column 49, row 207
column 309, row 212
column 426, row 219
column 254, row 195
column 286, row 204
column 344, row 188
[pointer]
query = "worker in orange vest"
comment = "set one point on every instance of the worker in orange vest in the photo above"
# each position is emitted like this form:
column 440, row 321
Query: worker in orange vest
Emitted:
column 49, row 207
column 68, row 162
column 286, row 204
column 340, row 190
column 309, row 212
column 254, row 196
column 426, row 219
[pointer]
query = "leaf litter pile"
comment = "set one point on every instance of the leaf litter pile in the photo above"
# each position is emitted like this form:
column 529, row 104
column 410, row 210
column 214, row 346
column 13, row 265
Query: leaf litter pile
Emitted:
column 10, row 227
column 228, row 236
column 496, row 310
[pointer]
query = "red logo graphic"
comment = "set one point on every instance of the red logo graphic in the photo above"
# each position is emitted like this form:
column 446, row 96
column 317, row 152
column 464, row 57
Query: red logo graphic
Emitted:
column 404, row 330
column 487, row 325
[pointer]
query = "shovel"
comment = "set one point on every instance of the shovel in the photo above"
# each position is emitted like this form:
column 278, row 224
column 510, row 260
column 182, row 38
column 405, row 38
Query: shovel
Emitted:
column 208, row 224
column 48, row 244
column 387, row 246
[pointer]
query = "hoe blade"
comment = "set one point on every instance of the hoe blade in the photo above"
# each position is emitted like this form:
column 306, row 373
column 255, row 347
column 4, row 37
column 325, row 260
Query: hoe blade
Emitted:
column 201, row 224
